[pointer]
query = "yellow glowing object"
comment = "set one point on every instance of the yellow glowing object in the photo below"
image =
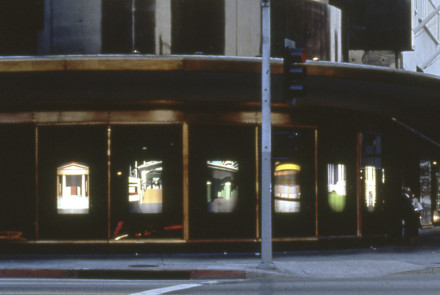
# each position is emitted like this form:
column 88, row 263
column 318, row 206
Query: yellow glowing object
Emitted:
column 288, row 166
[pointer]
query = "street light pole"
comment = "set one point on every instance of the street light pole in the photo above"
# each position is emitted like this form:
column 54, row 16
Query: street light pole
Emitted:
column 266, row 143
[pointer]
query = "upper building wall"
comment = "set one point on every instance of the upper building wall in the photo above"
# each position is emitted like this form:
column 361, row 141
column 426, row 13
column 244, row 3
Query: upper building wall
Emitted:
column 161, row 27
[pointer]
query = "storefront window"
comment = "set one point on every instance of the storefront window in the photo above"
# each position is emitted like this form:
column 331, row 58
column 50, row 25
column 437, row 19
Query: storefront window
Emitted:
column 145, row 187
column 370, row 187
column 371, row 171
column 73, row 189
column 287, row 189
column 293, row 182
column 425, row 191
column 337, row 187
column 221, row 186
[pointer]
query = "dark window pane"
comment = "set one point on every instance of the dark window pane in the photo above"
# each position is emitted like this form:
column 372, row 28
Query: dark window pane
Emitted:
column 125, row 30
column 198, row 26
column 17, row 182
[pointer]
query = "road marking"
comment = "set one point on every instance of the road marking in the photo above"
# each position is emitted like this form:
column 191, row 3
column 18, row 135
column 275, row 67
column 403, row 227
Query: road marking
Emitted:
column 167, row 289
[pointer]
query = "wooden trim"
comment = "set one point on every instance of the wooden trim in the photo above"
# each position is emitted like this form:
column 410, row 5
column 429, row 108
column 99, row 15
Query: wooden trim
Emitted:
column 223, row 240
column 185, row 189
column 316, row 185
column 137, row 63
column 164, row 115
column 296, row 239
column 37, row 224
column 109, row 173
column 358, row 183
column 257, row 181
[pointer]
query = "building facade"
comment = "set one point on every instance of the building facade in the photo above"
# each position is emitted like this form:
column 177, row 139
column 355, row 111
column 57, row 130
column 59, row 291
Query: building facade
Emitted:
column 140, row 121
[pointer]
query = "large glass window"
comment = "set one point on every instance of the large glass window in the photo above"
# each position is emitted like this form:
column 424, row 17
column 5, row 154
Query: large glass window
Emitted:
column 294, row 199
column 17, row 182
column 222, row 182
column 72, row 182
column 146, row 185
column 337, row 179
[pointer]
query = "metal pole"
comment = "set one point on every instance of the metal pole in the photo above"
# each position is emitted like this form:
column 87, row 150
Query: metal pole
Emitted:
column 133, row 26
column 266, row 143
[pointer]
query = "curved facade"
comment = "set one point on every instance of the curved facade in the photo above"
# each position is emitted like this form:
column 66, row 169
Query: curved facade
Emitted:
column 148, row 131
column 167, row 149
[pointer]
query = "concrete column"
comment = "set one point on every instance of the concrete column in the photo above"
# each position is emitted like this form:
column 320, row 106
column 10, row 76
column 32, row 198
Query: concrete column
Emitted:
column 231, row 27
column 335, row 31
column 163, row 27
column 242, row 28
column 249, row 28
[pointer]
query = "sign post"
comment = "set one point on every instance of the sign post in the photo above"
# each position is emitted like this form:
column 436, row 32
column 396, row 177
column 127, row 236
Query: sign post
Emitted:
column 266, row 143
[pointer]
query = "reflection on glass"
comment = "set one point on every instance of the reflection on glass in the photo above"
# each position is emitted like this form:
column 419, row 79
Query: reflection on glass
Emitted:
column 337, row 187
column 370, row 187
column 73, row 189
column 221, row 186
column 287, row 190
column 145, row 187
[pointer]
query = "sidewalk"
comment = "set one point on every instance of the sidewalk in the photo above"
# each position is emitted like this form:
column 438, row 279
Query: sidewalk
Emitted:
column 423, row 257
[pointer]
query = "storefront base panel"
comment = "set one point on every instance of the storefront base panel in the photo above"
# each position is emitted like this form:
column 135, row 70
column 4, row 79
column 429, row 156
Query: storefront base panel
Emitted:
column 176, row 246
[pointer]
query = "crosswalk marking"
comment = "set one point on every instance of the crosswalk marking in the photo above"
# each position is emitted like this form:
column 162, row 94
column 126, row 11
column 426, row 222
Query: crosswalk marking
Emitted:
column 167, row 289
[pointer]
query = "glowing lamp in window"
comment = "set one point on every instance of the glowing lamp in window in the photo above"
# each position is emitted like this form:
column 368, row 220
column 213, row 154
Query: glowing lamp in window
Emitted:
column 286, row 188
column 73, row 188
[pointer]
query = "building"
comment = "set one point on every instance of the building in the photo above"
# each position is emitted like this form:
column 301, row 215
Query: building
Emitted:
column 158, row 104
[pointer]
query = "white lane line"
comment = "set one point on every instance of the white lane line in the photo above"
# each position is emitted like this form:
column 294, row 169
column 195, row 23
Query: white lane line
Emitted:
column 167, row 289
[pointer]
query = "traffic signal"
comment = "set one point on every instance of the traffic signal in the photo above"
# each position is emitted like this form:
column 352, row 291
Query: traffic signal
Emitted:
column 294, row 74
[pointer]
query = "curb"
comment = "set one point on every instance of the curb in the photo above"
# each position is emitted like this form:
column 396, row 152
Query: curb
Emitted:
column 123, row 274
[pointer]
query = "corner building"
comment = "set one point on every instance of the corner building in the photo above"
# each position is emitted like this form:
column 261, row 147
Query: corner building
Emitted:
column 127, row 122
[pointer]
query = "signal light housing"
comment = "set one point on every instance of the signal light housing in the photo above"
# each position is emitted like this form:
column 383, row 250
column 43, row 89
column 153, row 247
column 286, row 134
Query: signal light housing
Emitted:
column 295, row 74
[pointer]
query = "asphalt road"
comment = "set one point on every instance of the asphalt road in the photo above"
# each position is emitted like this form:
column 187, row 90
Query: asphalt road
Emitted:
column 418, row 283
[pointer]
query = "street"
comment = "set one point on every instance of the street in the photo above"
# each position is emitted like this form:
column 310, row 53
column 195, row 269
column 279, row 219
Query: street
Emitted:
column 77, row 286
column 409, row 283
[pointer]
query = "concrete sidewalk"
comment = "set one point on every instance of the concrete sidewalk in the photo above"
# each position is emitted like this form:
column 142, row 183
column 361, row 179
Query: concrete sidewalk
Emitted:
column 422, row 257
column 322, row 264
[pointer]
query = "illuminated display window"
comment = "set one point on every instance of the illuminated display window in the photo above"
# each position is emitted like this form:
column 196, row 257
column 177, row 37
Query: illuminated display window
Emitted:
column 372, row 175
column 145, row 193
column 73, row 189
column 286, row 188
column 370, row 187
column 337, row 187
column 221, row 186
